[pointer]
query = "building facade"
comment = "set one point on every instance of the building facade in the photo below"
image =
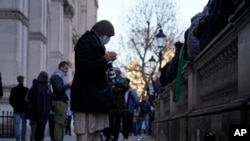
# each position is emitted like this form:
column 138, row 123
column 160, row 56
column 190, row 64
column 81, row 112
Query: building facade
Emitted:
column 36, row 35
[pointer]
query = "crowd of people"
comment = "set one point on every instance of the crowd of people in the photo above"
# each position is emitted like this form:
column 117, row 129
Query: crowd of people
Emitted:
column 99, row 99
column 204, row 27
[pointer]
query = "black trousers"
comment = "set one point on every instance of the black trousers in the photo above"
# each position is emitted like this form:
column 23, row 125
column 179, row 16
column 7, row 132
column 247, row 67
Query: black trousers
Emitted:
column 68, row 127
column 51, row 126
column 114, row 127
column 127, row 120
column 39, row 131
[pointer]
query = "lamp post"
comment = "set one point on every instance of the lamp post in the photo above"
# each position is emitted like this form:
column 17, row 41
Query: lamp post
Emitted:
column 161, row 43
column 150, row 88
column 151, row 61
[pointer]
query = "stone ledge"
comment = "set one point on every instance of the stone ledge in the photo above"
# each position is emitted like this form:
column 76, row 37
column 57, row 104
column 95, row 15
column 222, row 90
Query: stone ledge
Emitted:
column 14, row 14
column 38, row 36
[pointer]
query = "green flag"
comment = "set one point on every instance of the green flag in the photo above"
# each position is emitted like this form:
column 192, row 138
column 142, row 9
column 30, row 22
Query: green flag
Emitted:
column 181, row 64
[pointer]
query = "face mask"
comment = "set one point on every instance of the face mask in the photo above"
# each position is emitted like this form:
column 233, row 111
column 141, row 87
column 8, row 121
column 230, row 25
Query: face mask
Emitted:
column 105, row 39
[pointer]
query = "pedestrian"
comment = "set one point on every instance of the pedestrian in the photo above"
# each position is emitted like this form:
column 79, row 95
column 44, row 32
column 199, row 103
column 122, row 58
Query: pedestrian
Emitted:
column 119, row 89
column 29, row 113
column 91, row 64
column 40, row 99
column 17, row 101
column 134, row 125
column 61, row 87
column 145, row 110
column 132, row 101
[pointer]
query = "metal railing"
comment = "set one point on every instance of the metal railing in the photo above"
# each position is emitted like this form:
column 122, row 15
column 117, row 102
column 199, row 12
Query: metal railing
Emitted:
column 6, row 124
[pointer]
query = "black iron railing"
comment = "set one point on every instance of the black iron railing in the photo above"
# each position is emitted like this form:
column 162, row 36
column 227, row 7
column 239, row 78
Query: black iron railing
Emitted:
column 6, row 124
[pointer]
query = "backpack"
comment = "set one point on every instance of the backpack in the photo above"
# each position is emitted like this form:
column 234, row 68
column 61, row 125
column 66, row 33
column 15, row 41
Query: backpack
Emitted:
column 119, row 91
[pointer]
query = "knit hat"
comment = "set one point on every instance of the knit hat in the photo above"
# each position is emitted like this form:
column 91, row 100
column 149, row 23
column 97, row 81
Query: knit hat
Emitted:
column 104, row 27
column 43, row 76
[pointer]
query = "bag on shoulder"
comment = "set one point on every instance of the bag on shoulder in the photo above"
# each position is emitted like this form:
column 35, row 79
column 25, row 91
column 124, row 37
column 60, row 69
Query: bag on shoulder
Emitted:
column 107, row 98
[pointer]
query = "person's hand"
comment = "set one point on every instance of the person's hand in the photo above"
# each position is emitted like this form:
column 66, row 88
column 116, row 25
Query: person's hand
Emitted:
column 110, row 56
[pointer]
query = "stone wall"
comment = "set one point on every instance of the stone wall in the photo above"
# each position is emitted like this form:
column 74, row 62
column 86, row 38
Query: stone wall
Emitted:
column 215, row 90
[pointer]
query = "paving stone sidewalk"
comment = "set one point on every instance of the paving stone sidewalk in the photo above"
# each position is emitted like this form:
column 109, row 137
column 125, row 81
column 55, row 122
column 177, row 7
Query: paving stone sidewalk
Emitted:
column 73, row 138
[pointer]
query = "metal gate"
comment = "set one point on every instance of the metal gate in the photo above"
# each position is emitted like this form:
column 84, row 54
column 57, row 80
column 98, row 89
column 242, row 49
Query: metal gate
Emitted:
column 6, row 124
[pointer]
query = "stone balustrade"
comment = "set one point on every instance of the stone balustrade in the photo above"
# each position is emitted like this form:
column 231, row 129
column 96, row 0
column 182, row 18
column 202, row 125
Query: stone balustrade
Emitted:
column 214, row 92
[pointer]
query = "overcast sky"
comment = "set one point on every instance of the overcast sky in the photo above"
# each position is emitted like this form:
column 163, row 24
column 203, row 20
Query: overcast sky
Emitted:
column 113, row 10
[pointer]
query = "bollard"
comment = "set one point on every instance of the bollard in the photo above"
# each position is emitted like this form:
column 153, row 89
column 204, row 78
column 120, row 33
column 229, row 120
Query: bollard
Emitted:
column 209, row 137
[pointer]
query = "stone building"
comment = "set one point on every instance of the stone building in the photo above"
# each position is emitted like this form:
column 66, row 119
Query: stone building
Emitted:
column 36, row 35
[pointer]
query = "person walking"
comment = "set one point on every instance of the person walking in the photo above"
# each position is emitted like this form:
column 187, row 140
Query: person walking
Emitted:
column 40, row 99
column 115, row 116
column 91, row 64
column 134, row 125
column 60, row 101
column 145, row 110
column 132, row 101
column 17, row 101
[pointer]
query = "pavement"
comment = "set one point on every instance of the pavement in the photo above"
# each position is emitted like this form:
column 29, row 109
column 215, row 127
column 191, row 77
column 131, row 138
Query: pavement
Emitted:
column 73, row 138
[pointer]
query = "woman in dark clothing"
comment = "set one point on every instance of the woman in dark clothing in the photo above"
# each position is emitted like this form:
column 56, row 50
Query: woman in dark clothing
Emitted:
column 40, row 99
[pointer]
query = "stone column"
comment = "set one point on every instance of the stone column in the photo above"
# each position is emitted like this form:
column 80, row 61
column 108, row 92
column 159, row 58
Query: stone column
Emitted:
column 13, row 40
column 56, row 35
column 68, row 36
column 38, row 45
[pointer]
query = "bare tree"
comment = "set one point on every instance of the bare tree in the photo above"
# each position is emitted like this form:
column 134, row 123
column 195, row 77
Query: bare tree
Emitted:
column 143, row 23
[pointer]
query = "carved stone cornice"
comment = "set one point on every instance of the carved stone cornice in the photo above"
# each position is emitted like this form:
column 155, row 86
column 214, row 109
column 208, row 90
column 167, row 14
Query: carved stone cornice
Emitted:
column 38, row 36
column 14, row 14
column 68, row 9
column 58, row 0
column 56, row 54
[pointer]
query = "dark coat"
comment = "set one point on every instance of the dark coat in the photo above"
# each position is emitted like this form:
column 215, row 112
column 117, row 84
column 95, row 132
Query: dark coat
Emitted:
column 119, row 91
column 17, row 95
column 90, row 75
column 40, row 98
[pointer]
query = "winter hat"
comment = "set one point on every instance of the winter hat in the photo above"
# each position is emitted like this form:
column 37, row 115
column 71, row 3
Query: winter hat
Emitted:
column 43, row 76
column 116, row 69
column 178, row 45
column 104, row 27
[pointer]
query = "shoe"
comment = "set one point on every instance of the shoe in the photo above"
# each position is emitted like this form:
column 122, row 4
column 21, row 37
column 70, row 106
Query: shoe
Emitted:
column 139, row 138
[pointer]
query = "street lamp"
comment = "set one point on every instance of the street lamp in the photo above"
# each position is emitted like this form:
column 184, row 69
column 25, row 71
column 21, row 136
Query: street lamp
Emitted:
column 152, row 61
column 161, row 43
column 150, row 88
